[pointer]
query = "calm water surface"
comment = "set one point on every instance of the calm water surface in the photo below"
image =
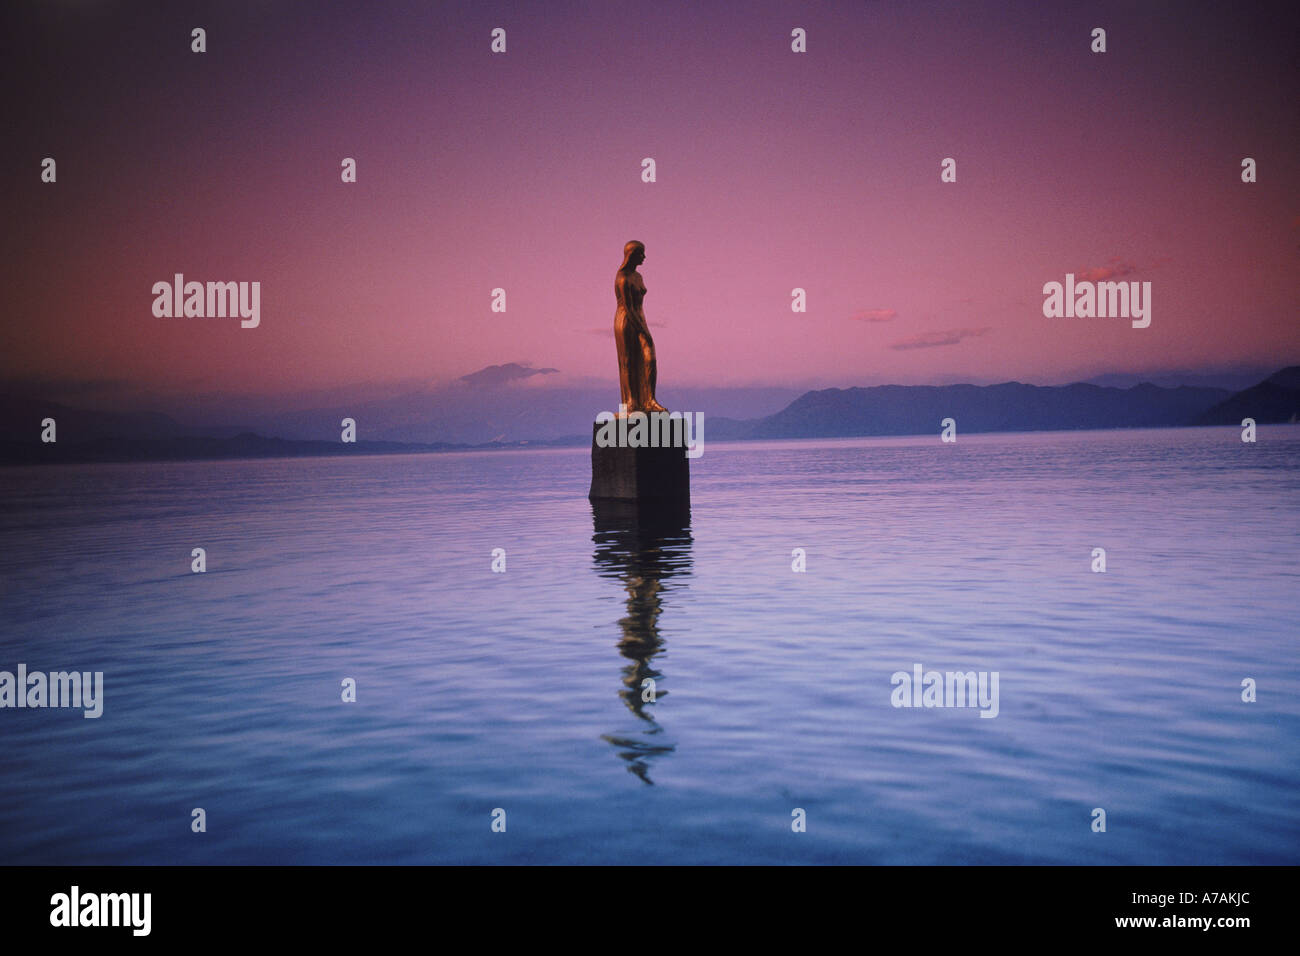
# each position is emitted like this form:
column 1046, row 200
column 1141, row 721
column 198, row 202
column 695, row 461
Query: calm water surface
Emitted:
column 523, row 690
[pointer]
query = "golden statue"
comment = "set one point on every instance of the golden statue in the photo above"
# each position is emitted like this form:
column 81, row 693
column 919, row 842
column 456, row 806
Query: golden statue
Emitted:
column 637, row 370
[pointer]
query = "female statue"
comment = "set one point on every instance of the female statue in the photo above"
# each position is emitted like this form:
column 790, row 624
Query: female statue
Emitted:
column 637, row 370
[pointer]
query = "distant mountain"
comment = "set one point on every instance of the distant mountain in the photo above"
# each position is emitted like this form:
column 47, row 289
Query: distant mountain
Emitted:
column 200, row 448
column 501, row 374
column 498, row 406
column 499, row 403
column 1012, row 406
column 1232, row 380
column 515, row 416
column 21, row 417
column 1276, row 399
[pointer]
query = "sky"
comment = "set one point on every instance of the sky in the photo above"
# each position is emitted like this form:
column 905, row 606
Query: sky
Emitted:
column 522, row 170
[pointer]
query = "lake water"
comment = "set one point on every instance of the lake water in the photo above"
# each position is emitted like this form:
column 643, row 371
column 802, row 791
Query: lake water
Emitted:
column 523, row 690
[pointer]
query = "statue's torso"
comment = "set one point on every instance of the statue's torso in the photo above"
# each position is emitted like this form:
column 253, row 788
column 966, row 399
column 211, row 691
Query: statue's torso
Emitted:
column 633, row 294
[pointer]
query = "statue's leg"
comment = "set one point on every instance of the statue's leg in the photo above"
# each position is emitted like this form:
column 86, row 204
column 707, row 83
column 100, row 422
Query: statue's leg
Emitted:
column 635, row 373
column 624, row 360
column 624, row 390
column 651, row 367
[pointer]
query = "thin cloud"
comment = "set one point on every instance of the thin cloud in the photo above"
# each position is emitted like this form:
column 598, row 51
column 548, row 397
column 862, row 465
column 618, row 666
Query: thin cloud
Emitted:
column 1114, row 268
column 873, row 315
column 928, row 340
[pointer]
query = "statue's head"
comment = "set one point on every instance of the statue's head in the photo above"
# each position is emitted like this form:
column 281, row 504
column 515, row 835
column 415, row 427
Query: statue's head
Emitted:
column 633, row 254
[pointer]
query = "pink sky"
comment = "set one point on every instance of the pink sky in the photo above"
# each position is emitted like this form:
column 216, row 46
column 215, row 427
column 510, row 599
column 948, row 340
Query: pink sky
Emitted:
column 775, row 170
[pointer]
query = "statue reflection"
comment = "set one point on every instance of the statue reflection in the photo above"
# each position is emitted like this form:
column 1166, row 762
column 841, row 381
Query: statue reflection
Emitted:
column 643, row 549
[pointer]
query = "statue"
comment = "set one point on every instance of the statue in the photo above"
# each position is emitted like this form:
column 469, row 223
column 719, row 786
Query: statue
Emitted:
column 638, row 371
column 654, row 475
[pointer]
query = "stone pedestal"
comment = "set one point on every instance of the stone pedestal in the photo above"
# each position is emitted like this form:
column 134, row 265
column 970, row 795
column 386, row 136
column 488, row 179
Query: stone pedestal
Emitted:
column 655, row 478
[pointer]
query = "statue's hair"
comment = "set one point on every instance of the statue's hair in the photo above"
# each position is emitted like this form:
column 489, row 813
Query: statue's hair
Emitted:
column 631, row 246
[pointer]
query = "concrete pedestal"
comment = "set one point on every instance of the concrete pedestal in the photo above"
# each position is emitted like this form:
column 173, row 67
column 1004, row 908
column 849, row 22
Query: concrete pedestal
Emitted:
column 654, row 477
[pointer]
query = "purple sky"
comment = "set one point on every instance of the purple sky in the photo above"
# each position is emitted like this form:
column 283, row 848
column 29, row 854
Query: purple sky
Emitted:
column 775, row 170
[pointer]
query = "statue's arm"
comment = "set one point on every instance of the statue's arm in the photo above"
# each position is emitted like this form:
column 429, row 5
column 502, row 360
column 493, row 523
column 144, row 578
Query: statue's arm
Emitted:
column 620, row 290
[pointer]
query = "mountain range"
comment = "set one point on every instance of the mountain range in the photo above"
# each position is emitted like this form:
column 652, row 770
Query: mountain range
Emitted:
column 492, row 409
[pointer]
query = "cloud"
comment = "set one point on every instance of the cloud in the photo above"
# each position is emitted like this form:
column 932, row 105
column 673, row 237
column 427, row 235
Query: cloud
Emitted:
column 873, row 315
column 928, row 340
column 503, row 374
column 1114, row 268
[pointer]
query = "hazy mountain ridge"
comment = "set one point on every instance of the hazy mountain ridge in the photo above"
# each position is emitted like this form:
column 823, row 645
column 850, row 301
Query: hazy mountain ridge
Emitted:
column 20, row 418
column 1276, row 399
column 87, row 435
column 1010, row 406
column 204, row 448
